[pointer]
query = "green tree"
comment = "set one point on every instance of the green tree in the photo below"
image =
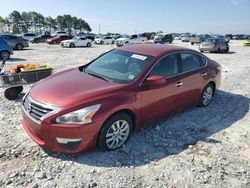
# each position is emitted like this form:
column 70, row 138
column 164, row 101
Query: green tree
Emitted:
column 15, row 19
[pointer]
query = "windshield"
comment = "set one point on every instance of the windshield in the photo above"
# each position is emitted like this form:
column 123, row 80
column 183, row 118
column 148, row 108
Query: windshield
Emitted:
column 118, row 66
column 210, row 40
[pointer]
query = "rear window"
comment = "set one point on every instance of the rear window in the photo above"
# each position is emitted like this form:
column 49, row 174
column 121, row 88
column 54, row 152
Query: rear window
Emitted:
column 190, row 61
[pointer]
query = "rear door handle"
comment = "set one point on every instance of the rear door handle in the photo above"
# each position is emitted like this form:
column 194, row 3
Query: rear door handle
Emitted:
column 204, row 74
column 178, row 84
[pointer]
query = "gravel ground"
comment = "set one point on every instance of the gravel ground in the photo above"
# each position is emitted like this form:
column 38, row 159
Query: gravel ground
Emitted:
column 201, row 147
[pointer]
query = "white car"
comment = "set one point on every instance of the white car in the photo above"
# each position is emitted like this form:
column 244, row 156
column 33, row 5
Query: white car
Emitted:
column 76, row 42
column 133, row 39
column 105, row 40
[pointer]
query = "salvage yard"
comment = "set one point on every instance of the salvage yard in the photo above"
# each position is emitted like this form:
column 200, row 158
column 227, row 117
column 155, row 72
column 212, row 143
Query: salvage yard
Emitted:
column 201, row 147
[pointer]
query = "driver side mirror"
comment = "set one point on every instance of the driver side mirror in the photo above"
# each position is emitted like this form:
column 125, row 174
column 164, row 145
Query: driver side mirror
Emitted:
column 154, row 81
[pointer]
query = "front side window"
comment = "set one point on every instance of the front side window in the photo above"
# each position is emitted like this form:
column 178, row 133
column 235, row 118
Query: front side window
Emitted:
column 167, row 66
column 119, row 66
column 189, row 62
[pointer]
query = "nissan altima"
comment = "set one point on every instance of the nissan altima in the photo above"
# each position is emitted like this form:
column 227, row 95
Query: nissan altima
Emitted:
column 100, row 104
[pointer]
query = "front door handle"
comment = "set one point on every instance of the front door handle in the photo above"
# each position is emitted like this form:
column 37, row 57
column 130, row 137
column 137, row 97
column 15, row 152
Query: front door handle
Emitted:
column 178, row 84
column 204, row 74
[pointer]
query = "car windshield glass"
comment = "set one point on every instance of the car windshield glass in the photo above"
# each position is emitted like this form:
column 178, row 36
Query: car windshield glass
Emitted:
column 210, row 40
column 119, row 66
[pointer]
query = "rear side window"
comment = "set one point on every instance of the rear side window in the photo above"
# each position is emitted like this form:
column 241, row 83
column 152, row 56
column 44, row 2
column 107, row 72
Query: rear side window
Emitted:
column 167, row 66
column 190, row 61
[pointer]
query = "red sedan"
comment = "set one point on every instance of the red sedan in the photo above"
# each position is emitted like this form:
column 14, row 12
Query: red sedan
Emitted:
column 58, row 39
column 100, row 104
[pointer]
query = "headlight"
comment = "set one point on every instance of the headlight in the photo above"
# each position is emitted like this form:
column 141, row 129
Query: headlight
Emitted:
column 82, row 116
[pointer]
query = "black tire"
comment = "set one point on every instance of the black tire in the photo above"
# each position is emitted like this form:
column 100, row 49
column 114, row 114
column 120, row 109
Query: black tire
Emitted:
column 11, row 93
column 218, row 50
column 107, row 127
column 205, row 102
column 72, row 45
column 89, row 44
column 19, row 46
column 4, row 55
column 227, row 50
column 102, row 42
column 37, row 41
column 113, row 42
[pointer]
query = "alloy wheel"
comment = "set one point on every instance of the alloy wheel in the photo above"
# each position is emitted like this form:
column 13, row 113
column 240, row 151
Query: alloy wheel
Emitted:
column 207, row 96
column 117, row 134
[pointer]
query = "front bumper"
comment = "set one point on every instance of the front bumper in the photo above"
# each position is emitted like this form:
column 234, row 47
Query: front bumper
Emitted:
column 60, row 137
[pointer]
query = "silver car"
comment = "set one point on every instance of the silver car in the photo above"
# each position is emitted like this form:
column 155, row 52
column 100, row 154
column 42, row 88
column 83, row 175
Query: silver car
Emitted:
column 214, row 45
column 15, row 42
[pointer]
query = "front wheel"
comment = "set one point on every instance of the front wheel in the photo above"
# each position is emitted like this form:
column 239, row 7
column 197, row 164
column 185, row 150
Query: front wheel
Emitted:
column 5, row 55
column 12, row 93
column 115, row 132
column 206, row 95
column 72, row 45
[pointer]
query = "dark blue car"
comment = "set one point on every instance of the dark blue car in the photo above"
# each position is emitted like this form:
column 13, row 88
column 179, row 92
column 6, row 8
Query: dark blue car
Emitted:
column 5, row 49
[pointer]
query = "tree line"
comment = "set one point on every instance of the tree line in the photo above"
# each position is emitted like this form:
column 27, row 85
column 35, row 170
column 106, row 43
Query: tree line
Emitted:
column 34, row 22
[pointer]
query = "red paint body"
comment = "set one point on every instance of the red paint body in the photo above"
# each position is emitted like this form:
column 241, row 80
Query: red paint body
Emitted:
column 72, row 90
column 58, row 39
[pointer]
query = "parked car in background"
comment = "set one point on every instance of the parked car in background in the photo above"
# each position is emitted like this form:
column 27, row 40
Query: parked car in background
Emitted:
column 77, row 42
column 15, row 42
column 246, row 42
column 162, row 39
column 133, row 39
column 40, row 38
column 105, row 40
column 5, row 49
column 28, row 36
column 214, row 45
column 197, row 39
column 236, row 37
column 230, row 36
column 59, row 33
column 58, row 39
column 185, row 38
column 102, row 103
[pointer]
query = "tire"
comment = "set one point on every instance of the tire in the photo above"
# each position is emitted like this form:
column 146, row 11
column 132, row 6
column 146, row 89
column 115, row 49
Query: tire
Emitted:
column 72, row 45
column 54, row 42
column 218, row 50
column 19, row 46
column 89, row 44
column 4, row 55
column 108, row 139
column 206, row 95
column 227, row 50
column 102, row 42
column 19, row 89
column 113, row 42
column 37, row 41
column 12, row 93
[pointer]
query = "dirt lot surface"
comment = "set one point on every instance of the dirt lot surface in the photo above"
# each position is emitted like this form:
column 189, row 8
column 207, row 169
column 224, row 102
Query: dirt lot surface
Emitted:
column 201, row 147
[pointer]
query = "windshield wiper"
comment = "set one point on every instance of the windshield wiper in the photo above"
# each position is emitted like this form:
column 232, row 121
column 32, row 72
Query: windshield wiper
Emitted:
column 98, row 76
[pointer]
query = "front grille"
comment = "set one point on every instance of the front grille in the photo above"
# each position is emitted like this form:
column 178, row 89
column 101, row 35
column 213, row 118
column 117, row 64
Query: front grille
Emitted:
column 34, row 110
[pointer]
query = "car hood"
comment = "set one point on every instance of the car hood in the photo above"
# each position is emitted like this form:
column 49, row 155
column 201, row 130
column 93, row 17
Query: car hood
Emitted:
column 65, row 41
column 72, row 87
column 122, row 39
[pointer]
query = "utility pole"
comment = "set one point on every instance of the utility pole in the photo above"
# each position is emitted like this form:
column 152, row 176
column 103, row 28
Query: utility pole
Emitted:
column 99, row 29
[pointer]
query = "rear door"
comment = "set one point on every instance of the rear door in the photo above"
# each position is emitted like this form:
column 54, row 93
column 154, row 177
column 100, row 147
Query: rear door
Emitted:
column 194, row 77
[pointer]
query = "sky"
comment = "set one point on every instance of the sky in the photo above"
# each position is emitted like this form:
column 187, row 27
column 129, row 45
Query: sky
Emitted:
column 137, row 16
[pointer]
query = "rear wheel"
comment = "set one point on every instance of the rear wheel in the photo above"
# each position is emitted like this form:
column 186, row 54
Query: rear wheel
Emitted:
column 227, row 50
column 102, row 42
column 113, row 42
column 5, row 55
column 115, row 132
column 19, row 46
column 206, row 95
column 89, row 44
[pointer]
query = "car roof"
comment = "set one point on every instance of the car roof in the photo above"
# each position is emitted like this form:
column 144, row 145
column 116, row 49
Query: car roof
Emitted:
column 153, row 49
